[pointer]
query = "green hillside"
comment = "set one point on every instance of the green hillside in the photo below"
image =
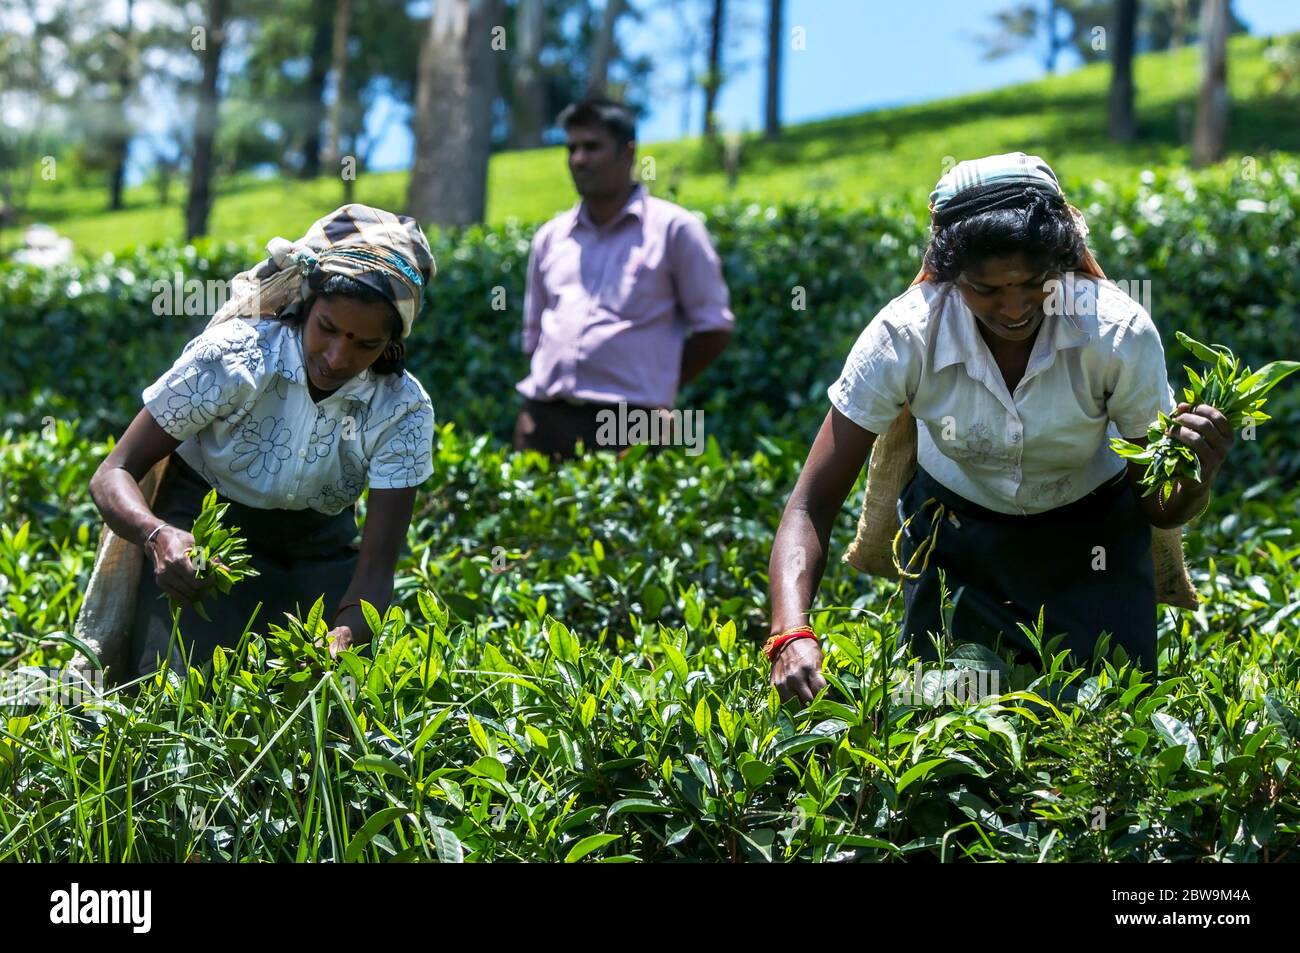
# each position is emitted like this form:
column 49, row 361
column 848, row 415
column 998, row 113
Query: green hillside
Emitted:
column 899, row 151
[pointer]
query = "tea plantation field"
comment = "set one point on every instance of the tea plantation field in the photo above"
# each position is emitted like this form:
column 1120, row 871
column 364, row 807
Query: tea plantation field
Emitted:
column 896, row 151
column 570, row 670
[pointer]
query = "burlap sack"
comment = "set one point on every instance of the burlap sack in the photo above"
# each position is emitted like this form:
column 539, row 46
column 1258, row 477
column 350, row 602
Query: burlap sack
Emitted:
column 108, row 609
column 893, row 461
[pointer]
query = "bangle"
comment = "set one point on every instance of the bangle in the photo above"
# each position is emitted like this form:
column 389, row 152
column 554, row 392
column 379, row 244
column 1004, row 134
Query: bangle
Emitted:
column 773, row 646
column 149, row 539
column 339, row 611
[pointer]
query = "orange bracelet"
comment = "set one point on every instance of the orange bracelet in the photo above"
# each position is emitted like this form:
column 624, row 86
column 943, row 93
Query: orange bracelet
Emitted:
column 772, row 647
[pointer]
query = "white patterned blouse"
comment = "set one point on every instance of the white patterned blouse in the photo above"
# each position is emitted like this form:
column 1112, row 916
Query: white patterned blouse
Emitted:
column 237, row 398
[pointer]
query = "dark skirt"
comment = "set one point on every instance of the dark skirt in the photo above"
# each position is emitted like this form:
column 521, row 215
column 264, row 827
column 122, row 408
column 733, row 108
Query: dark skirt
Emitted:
column 300, row 555
column 999, row 569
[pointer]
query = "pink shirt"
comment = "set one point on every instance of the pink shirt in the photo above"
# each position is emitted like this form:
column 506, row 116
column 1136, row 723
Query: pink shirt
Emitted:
column 607, row 309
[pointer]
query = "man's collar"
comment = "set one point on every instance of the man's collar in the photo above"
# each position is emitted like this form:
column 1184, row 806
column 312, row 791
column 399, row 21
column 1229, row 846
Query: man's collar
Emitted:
column 635, row 205
column 955, row 341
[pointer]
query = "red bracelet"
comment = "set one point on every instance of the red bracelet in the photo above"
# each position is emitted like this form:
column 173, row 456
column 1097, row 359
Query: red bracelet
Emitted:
column 773, row 646
column 339, row 611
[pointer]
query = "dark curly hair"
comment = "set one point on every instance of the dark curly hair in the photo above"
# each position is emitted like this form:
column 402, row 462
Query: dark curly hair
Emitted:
column 393, row 359
column 1037, row 224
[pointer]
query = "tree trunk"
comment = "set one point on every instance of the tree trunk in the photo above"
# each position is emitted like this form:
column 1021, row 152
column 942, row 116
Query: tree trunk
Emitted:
column 164, row 185
column 320, row 63
column 117, row 177
column 199, row 204
column 1122, row 126
column 1212, row 106
column 772, row 101
column 121, row 137
column 713, row 80
column 689, row 43
column 602, row 51
column 339, row 66
column 530, row 91
column 1178, row 28
column 1053, row 41
column 454, row 93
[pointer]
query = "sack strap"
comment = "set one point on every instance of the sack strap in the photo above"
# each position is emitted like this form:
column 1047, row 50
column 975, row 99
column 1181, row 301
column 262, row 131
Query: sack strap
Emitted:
column 926, row 546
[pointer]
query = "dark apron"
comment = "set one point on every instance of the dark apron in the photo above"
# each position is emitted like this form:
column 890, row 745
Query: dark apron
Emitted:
column 300, row 554
column 1000, row 569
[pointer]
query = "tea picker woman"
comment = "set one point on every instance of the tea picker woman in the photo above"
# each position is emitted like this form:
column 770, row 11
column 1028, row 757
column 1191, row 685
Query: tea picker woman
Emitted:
column 291, row 402
column 1017, row 360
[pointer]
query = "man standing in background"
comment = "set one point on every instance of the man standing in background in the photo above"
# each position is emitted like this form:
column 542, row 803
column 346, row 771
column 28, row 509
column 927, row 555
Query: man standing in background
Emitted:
column 625, row 300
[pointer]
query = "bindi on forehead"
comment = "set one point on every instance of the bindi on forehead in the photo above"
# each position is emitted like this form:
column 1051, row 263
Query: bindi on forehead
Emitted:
column 351, row 336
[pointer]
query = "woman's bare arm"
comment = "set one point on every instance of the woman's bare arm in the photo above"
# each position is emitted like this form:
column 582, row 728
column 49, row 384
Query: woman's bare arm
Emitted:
column 802, row 540
column 388, row 515
column 116, row 492
column 799, row 551
column 115, row 485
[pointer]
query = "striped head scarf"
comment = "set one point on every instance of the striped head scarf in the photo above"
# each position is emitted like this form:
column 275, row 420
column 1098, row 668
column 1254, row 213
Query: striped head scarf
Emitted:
column 1001, row 181
column 385, row 251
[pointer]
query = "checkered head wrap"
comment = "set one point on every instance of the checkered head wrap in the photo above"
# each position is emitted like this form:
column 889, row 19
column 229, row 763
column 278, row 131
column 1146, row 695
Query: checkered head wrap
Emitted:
column 1002, row 181
column 385, row 251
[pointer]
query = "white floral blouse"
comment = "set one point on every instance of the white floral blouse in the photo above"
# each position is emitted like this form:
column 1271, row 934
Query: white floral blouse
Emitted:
column 238, row 400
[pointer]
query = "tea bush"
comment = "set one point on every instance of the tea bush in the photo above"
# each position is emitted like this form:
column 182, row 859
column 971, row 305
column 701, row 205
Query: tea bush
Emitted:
column 1218, row 249
column 570, row 672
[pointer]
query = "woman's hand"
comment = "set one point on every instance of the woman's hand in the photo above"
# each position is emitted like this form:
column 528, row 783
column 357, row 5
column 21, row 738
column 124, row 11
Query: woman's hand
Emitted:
column 172, row 568
column 797, row 671
column 339, row 640
column 1208, row 433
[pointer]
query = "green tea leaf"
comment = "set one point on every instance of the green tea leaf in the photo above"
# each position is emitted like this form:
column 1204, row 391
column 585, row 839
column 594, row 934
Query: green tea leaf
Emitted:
column 1176, row 732
column 562, row 643
column 1279, row 714
column 379, row 763
column 703, row 717
column 639, row 805
column 372, row 618
column 448, row 845
column 376, row 823
column 676, row 662
column 587, row 845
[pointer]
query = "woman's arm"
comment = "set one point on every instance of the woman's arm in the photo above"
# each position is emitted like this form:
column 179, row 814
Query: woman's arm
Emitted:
column 115, row 488
column 388, row 515
column 799, row 550
column 1210, row 436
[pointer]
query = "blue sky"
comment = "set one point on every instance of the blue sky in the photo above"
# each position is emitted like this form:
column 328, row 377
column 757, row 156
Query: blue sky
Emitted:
column 859, row 54
column 865, row 53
